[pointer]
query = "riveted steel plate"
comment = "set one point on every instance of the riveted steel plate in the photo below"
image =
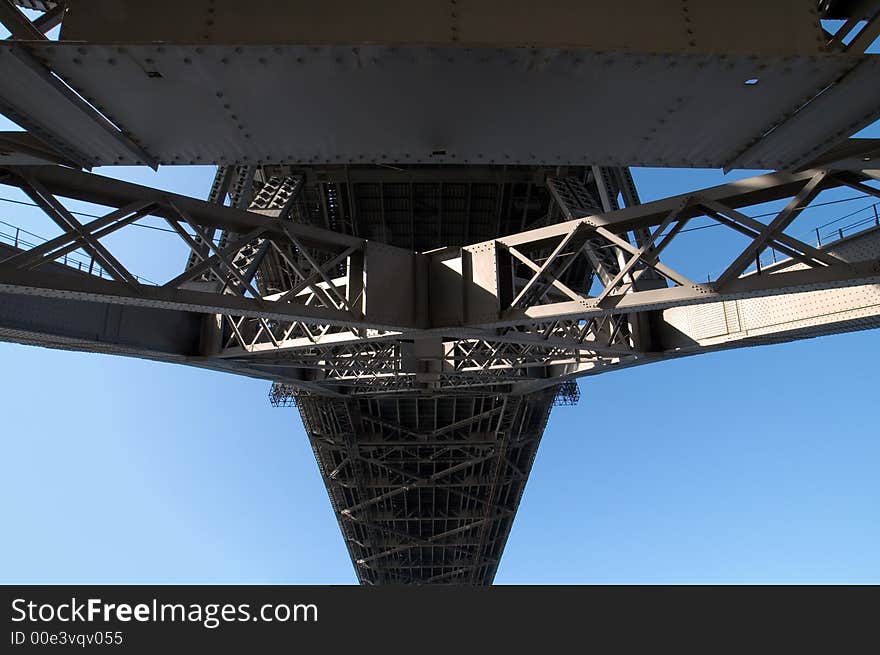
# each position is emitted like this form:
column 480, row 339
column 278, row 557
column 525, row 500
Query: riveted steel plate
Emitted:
column 699, row 26
column 311, row 104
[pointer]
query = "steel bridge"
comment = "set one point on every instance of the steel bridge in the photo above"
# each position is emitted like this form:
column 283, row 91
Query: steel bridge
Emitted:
column 423, row 227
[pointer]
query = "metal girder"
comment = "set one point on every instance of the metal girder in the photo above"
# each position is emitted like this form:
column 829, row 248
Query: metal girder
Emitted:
column 424, row 316
column 327, row 311
column 859, row 30
column 425, row 489
column 40, row 101
column 21, row 27
column 706, row 25
column 691, row 330
column 22, row 148
column 100, row 190
column 425, row 379
column 17, row 23
column 188, row 99
column 496, row 292
column 187, row 123
column 308, row 257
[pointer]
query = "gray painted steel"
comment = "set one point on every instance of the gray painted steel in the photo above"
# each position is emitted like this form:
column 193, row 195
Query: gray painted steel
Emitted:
column 737, row 85
column 186, row 104
column 423, row 228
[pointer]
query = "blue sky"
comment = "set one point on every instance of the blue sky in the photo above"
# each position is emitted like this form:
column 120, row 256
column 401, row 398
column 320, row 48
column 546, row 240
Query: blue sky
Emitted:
column 755, row 465
column 748, row 466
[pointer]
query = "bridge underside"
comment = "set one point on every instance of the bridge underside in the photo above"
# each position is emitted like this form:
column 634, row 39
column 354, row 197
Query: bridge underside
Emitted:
column 425, row 484
column 746, row 84
column 426, row 487
column 423, row 228
column 425, row 426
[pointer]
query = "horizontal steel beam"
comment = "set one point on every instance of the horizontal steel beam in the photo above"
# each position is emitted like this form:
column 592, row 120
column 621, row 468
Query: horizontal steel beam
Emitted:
column 110, row 192
column 399, row 321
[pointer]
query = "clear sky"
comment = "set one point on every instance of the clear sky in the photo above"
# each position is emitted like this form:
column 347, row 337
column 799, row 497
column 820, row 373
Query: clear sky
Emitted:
column 756, row 465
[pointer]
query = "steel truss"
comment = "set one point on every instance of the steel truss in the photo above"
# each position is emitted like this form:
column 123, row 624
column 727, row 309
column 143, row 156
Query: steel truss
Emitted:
column 424, row 423
column 307, row 259
column 426, row 488
column 425, row 316
column 305, row 304
column 539, row 295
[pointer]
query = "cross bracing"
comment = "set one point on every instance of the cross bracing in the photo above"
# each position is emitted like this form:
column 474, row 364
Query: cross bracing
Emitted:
column 425, row 296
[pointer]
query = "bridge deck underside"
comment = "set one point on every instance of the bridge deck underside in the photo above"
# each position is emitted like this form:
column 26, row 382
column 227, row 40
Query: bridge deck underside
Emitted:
column 425, row 207
column 426, row 488
column 188, row 104
column 409, row 127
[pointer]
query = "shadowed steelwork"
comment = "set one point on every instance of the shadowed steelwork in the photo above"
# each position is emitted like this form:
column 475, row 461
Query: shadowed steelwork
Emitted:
column 423, row 227
column 426, row 488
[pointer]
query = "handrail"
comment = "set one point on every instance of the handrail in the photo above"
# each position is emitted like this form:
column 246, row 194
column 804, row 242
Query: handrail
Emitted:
column 77, row 259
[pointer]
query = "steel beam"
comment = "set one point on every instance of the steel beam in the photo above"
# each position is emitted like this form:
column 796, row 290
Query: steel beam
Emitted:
column 364, row 327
